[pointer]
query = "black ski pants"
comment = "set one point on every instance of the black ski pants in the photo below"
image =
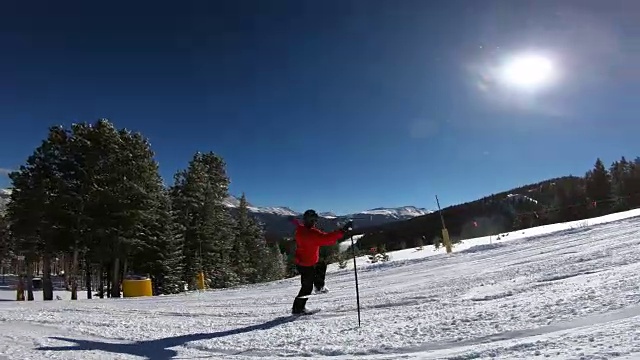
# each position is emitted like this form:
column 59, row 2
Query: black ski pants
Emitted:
column 310, row 276
column 321, row 272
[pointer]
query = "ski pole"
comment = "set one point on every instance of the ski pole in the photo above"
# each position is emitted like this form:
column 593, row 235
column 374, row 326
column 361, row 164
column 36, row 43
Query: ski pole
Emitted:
column 355, row 271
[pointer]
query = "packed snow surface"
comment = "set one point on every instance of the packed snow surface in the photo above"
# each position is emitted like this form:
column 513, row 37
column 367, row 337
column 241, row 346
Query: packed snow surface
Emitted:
column 565, row 291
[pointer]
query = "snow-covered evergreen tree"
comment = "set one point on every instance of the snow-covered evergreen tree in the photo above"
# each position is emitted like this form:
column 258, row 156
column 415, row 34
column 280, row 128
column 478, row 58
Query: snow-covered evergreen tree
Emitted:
column 96, row 193
column 168, row 267
column 197, row 195
column 254, row 260
column 276, row 264
column 245, row 243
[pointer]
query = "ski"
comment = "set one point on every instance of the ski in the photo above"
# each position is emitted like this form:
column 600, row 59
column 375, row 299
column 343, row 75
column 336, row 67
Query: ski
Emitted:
column 309, row 312
column 311, row 295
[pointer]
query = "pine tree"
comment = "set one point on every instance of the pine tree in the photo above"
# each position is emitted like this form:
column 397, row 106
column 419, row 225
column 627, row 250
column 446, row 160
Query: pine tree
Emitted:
column 329, row 254
column 571, row 202
column 254, row 260
column 382, row 252
column 197, row 196
column 36, row 218
column 24, row 223
column 183, row 205
column 620, row 175
column 245, row 246
column 167, row 270
column 93, row 191
column 437, row 242
column 6, row 241
column 150, row 236
column 121, row 208
column 633, row 182
column 598, row 187
column 275, row 264
column 290, row 256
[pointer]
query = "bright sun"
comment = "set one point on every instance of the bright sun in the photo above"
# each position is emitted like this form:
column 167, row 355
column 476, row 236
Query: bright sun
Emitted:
column 528, row 71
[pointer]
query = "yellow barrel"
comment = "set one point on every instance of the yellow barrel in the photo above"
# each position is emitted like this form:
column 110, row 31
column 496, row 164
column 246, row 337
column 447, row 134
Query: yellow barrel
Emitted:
column 136, row 287
column 200, row 281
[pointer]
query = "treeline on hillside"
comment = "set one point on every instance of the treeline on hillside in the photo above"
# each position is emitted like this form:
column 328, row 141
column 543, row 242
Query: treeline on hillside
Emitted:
column 601, row 191
column 93, row 194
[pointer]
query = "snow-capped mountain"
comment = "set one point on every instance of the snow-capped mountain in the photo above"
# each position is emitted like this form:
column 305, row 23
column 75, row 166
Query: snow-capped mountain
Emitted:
column 231, row 202
column 400, row 213
column 275, row 218
column 328, row 215
column 234, row 202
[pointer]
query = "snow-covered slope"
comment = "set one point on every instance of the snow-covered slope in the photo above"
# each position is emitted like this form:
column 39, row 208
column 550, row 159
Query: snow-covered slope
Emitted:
column 521, row 198
column 486, row 242
column 566, row 291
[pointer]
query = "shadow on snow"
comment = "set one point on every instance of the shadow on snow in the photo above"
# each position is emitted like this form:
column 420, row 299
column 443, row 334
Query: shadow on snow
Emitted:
column 159, row 349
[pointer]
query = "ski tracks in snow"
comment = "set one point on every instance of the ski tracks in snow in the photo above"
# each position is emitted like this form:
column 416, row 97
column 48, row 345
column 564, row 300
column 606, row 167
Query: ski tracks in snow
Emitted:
column 573, row 294
column 500, row 343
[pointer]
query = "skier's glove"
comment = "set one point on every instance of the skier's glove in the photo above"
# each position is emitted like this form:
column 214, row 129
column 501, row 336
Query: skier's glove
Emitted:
column 348, row 226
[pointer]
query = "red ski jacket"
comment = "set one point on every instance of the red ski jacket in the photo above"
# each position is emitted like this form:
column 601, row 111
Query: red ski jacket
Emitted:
column 308, row 242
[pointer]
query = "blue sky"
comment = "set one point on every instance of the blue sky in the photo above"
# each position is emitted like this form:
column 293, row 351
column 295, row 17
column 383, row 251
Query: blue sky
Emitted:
column 334, row 105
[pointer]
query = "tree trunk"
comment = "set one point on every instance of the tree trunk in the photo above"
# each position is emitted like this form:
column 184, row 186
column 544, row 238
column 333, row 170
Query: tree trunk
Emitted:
column 74, row 274
column 20, row 288
column 101, row 281
column 29, row 281
column 115, row 290
column 47, row 285
column 67, row 272
column 87, row 272
column 80, row 273
column 95, row 276
column 61, row 264
column 108, row 280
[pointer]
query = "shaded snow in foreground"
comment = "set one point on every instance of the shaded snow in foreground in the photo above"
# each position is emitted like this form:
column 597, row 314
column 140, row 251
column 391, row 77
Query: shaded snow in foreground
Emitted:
column 567, row 295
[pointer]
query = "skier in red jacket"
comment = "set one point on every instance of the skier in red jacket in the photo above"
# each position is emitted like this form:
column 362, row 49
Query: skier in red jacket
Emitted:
column 308, row 242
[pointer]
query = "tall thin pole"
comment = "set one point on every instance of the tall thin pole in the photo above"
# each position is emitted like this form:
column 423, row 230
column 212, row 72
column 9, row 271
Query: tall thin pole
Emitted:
column 355, row 271
column 445, row 233
column 440, row 212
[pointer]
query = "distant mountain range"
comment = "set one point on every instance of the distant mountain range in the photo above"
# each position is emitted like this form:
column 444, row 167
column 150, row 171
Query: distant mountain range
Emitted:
column 275, row 219
column 399, row 213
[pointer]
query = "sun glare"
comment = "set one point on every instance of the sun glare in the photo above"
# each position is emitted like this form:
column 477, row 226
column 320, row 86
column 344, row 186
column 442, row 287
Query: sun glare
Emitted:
column 528, row 71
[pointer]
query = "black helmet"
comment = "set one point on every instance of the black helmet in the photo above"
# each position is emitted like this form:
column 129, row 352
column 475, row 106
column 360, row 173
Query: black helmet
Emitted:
column 310, row 217
column 310, row 214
